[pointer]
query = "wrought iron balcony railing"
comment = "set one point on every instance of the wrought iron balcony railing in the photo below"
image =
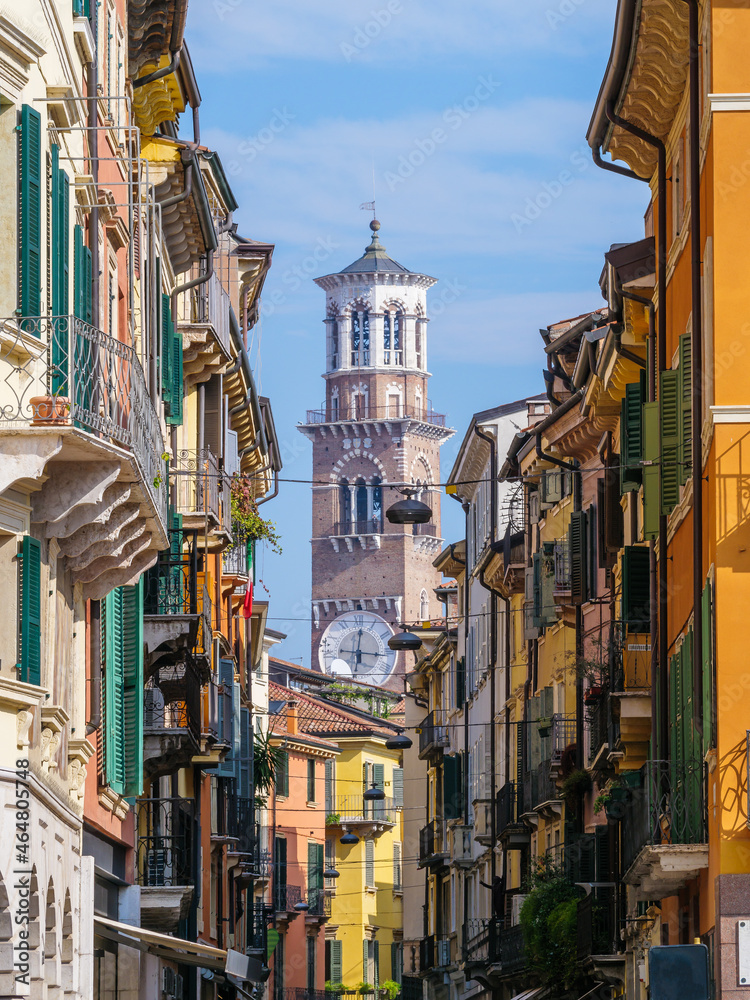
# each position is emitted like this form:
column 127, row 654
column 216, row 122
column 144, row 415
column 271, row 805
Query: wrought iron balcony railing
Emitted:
column 371, row 527
column 670, row 808
column 319, row 903
column 598, row 718
column 330, row 414
column 172, row 586
column 507, row 947
column 286, row 897
column 208, row 303
column 433, row 732
column 241, row 826
column 432, row 842
column 236, row 559
column 84, row 379
column 597, row 923
column 172, row 699
column 200, row 489
column 477, row 939
column 353, row 808
column 166, row 845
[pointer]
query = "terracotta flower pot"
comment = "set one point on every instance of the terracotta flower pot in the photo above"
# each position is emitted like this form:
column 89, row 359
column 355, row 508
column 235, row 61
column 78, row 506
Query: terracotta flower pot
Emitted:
column 50, row 410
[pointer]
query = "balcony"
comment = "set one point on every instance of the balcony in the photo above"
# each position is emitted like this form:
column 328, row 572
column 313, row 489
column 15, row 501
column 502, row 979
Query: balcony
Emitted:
column 342, row 529
column 366, row 819
column 507, row 948
column 632, row 701
column 427, row 954
column 75, row 409
column 376, row 414
column 514, row 560
column 598, row 717
column 597, row 924
column 203, row 321
column 319, row 903
column 664, row 835
column 202, row 496
column 433, row 846
column 177, row 606
column 483, row 821
column 166, row 866
column 477, row 941
column 545, row 795
column 236, row 559
column 285, row 898
column 257, row 924
column 242, row 830
column 433, row 734
column 171, row 719
column 463, row 848
column 511, row 831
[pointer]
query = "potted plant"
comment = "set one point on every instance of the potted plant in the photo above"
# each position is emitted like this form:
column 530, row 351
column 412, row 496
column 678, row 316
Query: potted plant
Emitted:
column 49, row 410
column 245, row 513
column 575, row 786
column 390, row 989
column 544, row 725
column 611, row 799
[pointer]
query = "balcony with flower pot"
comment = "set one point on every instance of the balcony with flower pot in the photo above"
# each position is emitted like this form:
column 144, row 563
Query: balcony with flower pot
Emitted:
column 76, row 418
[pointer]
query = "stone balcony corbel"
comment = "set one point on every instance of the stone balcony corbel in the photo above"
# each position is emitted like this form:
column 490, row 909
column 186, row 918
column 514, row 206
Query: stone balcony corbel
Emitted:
column 79, row 754
column 23, row 700
column 54, row 721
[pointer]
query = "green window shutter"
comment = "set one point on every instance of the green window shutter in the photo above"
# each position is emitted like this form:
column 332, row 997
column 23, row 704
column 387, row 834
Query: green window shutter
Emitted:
column 397, row 962
column 81, row 8
column 59, row 264
column 707, row 670
column 651, row 495
column 631, row 438
column 370, row 862
column 336, row 962
column 548, row 612
column 30, row 227
column 114, row 691
column 577, row 539
column 686, row 397
column 132, row 634
column 536, row 564
column 635, row 588
column 245, row 754
column 378, row 775
column 396, row 864
column 166, row 351
column 398, row 786
column 31, row 610
column 177, row 392
column 376, row 964
column 82, row 304
column 671, row 433
column 329, row 787
column 312, row 871
column 460, row 681
column 282, row 774
column 229, row 718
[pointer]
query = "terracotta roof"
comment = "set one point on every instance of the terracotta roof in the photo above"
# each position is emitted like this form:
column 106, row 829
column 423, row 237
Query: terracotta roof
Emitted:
column 297, row 666
column 448, row 585
column 318, row 716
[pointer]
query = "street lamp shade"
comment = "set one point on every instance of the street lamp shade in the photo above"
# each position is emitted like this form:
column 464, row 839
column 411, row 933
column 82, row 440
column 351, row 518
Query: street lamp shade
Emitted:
column 374, row 794
column 302, row 906
column 330, row 873
column 406, row 641
column 349, row 838
column 409, row 511
column 399, row 741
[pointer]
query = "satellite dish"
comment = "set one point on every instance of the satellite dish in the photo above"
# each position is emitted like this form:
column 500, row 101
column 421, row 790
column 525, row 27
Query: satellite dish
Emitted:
column 340, row 667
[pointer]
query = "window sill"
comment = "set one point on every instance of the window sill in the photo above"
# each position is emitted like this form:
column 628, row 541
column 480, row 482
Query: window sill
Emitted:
column 312, row 805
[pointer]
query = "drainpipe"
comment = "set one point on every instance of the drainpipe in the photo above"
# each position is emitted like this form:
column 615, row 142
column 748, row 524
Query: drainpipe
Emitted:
column 275, row 490
column 661, row 362
column 491, row 440
column 596, row 152
column 93, row 98
column 193, row 283
column 696, row 361
column 175, row 199
column 575, row 468
column 158, row 74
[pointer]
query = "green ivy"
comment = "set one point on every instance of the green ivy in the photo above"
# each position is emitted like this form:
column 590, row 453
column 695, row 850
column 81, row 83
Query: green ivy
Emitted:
column 549, row 924
column 245, row 513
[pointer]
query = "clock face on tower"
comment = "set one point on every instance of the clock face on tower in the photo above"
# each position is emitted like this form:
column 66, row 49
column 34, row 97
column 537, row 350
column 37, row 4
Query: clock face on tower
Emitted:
column 356, row 644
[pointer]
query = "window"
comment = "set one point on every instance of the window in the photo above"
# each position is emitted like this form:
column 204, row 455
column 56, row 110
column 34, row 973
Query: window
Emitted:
column 424, row 606
column 282, row 774
column 361, row 504
column 31, row 597
column 377, row 502
column 370, row 864
column 393, row 405
column 310, row 779
column 397, row 880
column 392, row 330
column 334, row 343
column 334, row 407
column 418, row 333
column 397, row 961
column 360, row 338
column 311, row 949
column 345, row 506
column 334, row 962
column 330, row 863
column 355, row 338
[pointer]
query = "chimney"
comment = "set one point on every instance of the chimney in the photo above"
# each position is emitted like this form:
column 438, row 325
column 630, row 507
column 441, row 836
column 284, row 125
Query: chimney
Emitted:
column 292, row 717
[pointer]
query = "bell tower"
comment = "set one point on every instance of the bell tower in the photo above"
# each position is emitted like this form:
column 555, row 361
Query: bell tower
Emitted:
column 375, row 431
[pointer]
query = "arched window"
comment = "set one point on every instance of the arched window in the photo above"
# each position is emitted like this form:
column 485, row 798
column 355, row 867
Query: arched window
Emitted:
column 334, row 343
column 365, row 338
column 334, row 415
column 424, row 606
column 361, row 502
column 418, row 332
column 398, row 326
column 360, row 337
column 387, row 337
column 377, row 503
column 345, row 506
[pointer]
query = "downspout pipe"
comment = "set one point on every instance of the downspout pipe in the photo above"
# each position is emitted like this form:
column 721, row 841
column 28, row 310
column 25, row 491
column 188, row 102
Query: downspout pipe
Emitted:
column 492, row 442
column 661, row 364
column 187, row 188
column 615, row 168
column 193, row 283
column 158, row 74
column 696, row 360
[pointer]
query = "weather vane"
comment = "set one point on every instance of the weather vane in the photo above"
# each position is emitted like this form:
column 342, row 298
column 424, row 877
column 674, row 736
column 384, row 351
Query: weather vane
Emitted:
column 369, row 206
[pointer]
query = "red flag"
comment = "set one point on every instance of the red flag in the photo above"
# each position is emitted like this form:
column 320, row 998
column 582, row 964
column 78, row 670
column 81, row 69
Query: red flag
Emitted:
column 247, row 607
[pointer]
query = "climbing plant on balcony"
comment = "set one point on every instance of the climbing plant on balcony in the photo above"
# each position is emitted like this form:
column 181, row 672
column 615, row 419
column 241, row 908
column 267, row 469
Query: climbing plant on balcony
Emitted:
column 549, row 924
column 245, row 513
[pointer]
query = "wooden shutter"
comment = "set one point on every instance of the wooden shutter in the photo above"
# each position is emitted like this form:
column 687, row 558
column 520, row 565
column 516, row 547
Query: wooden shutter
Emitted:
column 312, row 872
column 536, row 565
column 59, row 263
column 114, row 691
column 398, row 786
column 577, row 538
column 329, row 786
column 132, row 657
column 376, row 964
column 603, row 873
column 212, row 415
column 175, row 417
column 378, row 776
column 282, row 774
column 31, row 610
column 460, row 681
column 280, row 859
column 245, row 753
column 30, row 228
column 707, row 669
column 229, row 703
column 396, row 962
column 636, row 588
column 366, row 961
column 631, row 438
column 369, row 862
column 396, row 864
column 452, row 805
column 337, row 972
column 651, row 478
column 671, row 433
column 686, row 397
column 166, row 351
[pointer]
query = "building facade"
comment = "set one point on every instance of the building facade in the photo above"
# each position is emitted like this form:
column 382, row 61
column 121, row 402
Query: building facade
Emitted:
column 376, row 431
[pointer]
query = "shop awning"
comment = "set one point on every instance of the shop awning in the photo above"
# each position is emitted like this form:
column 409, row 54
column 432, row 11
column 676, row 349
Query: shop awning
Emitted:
column 175, row 949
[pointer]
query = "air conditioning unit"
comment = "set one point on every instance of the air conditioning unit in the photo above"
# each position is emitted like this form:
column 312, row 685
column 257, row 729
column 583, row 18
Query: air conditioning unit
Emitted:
column 443, row 952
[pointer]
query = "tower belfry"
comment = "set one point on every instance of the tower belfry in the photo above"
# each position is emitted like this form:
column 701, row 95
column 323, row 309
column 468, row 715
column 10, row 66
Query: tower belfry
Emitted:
column 375, row 430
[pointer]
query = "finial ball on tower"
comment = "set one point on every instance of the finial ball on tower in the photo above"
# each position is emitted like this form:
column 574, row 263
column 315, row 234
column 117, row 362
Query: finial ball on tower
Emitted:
column 374, row 225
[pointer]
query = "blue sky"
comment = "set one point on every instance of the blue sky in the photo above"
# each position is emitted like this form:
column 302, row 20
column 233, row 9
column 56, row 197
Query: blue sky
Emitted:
column 472, row 116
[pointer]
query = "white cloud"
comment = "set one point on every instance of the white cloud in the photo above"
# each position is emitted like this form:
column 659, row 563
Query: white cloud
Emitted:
column 221, row 31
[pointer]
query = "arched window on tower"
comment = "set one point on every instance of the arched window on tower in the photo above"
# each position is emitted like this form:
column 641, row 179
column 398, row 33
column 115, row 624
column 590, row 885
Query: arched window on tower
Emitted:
column 418, row 335
column 377, row 504
column 345, row 507
column 393, row 326
column 387, row 337
column 334, row 344
column 365, row 338
column 398, row 329
column 424, row 607
column 355, row 338
column 361, row 502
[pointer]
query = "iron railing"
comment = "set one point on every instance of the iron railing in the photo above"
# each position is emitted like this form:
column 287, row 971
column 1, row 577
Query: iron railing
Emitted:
column 427, row 953
column 507, row 947
column 670, row 808
column 543, row 785
column 165, row 851
column 597, row 923
column 353, row 808
column 562, row 565
column 172, row 699
column 286, row 897
column 330, row 414
column 509, row 801
column 432, row 841
column 319, row 903
column 371, row 527
column 477, row 939
column 257, row 922
column 424, row 529
column 172, row 587
column 563, row 735
column 302, row 993
column 208, row 303
column 88, row 380
column 241, row 826
column 598, row 717
column 236, row 559
column 199, row 486
column 433, row 732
